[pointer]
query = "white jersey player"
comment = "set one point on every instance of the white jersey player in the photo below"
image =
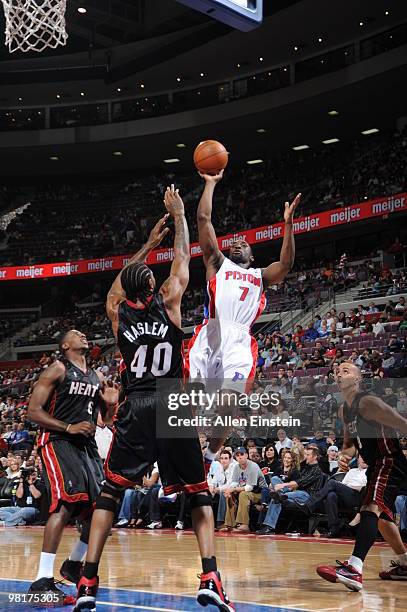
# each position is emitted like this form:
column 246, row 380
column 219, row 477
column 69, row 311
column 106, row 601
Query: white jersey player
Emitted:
column 223, row 347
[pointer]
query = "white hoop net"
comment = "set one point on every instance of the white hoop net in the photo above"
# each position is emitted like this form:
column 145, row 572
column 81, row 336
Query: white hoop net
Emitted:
column 34, row 25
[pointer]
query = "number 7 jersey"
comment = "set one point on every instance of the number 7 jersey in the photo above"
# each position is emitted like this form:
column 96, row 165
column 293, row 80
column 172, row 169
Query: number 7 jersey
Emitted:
column 150, row 345
column 223, row 348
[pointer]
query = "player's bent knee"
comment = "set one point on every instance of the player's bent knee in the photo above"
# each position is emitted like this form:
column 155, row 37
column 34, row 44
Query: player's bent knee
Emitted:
column 198, row 500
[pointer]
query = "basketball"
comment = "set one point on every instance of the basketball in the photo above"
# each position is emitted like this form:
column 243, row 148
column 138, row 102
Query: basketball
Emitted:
column 210, row 157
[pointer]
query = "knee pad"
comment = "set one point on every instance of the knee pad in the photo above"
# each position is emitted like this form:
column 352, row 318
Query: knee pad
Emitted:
column 106, row 503
column 197, row 500
column 112, row 489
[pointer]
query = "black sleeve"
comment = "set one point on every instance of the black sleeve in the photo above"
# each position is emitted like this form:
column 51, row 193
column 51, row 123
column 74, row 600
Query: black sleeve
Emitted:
column 294, row 475
column 307, row 478
column 22, row 502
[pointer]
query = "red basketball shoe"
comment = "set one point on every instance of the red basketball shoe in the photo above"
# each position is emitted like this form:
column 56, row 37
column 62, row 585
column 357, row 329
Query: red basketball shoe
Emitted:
column 211, row 592
column 344, row 573
column 86, row 597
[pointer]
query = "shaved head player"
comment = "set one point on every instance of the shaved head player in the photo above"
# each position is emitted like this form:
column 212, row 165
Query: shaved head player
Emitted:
column 370, row 428
column 222, row 348
column 147, row 326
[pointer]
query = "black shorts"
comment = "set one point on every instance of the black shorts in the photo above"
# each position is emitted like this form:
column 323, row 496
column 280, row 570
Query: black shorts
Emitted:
column 72, row 473
column 385, row 478
column 135, row 447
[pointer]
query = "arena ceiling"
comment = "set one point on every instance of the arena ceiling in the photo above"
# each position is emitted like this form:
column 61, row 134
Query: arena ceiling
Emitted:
column 128, row 42
column 374, row 102
column 170, row 40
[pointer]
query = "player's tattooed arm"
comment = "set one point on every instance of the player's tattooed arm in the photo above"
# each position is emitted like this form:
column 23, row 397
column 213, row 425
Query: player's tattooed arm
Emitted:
column 375, row 409
column 42, row 391
column 173, row 288
column 117, row 294
column 276, row 272
column 212, row 255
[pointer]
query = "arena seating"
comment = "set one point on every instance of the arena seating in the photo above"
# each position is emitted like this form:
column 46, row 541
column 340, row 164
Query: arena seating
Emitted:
column 90, row 220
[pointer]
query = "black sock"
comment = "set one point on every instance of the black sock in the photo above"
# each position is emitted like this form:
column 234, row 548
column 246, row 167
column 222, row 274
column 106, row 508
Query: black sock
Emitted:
column 209, row 565
column 366, row 535
column 90, row 570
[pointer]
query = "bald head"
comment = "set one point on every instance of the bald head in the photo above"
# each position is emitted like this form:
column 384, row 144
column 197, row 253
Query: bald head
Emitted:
column 348, row 375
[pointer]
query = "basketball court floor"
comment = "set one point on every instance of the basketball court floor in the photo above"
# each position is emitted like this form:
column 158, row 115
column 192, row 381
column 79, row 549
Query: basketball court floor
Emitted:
column 157, row 571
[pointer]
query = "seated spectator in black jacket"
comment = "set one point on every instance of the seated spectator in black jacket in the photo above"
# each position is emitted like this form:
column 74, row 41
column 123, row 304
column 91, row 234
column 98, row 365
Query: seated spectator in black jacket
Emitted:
column 310, row 481
column 335, row 494
column 28, row 501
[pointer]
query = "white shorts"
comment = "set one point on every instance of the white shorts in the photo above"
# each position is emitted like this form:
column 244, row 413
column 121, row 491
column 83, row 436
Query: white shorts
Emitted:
column 222, row 351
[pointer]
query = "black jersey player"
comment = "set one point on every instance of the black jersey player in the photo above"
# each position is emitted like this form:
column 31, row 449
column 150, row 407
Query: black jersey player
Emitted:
column 370, row 428
column 147, row 325
column 65, row 403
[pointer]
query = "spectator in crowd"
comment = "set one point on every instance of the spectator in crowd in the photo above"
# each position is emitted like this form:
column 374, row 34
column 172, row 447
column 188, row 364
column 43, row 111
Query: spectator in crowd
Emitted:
column 402, row 402
column 400, row 307
column 283, row 441
column 332, row 454
column 28, row 499
column 247, row 482
column 288, row 469
column 134, row 496
column 315, row 360
column 319, row 440
column 221, row 481
column 307, row 484
column 395, row 344
column 254, row 455
column 347, row 493
column 14, row 469
column 270, row 462
column 388, row 361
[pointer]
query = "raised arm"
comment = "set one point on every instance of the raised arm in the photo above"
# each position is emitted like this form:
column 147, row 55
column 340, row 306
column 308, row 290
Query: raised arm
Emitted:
column 212, row 255
column 43, row 389
column 276, row 272
column 375, row 409
column 117, row 294
column 173, row 288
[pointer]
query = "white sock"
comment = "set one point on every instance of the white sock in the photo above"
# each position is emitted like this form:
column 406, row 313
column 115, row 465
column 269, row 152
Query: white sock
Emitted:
column 356, row 563
column 46, row 569
column 78, row 551
column 402, row 559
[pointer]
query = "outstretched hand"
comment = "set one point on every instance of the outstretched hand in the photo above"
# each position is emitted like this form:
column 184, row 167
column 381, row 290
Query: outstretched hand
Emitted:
column 290, row 209
column 212, row 178
column 173, row 201
column 158, row 232
column 109, row 392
